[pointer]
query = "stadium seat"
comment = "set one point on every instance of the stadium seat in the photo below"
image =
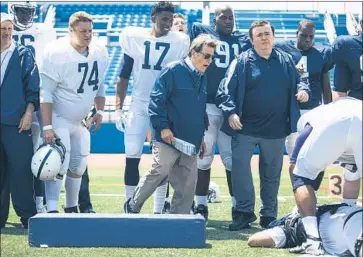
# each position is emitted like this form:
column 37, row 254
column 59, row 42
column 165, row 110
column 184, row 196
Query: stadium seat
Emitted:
column 117, row 230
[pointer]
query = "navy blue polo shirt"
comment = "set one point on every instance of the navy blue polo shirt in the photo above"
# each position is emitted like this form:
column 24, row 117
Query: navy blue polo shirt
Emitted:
column 265, row 110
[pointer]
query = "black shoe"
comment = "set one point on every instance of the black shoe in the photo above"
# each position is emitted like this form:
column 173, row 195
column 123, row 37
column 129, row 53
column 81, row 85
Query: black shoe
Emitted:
column 234, row 213
column 266, row 220
column 202, row 210
column 242, row 220
column 53, row 212
column 24, row 223
column 127, row 207
column 87, row 210
column 166, row 208
column 71, row 209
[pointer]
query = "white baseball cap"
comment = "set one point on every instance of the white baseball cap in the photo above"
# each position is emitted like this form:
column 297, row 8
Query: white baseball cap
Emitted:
column 7, row 17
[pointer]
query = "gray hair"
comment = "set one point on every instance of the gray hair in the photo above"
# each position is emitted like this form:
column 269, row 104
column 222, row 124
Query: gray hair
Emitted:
column 200, row 41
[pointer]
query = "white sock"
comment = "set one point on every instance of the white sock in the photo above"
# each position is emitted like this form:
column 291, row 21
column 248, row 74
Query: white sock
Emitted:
column 129, row 191
column 201, row 200
column 159, row 198
column 39, row 200
column 311, row 226
column 350, row 201
column 233, row 200
column 72, row 186
column 52, row 192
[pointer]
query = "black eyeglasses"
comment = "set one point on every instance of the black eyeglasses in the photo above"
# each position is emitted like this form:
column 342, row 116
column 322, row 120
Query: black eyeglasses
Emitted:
column 207, row 56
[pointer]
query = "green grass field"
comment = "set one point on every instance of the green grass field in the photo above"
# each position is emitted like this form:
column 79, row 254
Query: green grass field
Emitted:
column 106, row 175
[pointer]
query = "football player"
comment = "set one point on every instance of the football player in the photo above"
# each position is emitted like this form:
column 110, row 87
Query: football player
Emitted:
column 146, row 52
column 72, row 72
column 35, row 36
column 231, row 44
column 327, row 133
column 348, row 75
column 179, row 23
column 313, row 61
column 340, row 228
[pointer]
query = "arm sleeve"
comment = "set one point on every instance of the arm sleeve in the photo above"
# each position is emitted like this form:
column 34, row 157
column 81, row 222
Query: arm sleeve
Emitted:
column 342, row 78
column 158, row 98
column 127, row 64
column 31, row 79
column 193, row 32
column 328, row 59
column 225, row 99
column 47, row 89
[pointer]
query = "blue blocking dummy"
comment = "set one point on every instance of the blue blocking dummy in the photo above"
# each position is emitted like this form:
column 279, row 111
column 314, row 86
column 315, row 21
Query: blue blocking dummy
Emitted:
column 117, row 230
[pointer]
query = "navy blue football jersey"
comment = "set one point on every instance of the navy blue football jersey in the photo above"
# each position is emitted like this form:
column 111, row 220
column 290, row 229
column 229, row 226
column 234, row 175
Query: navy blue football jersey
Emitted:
column 348, row 75
column 316, row 61
column 228, row 48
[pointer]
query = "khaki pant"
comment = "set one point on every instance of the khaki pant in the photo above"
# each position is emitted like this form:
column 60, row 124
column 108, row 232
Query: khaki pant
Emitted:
column 178, row 168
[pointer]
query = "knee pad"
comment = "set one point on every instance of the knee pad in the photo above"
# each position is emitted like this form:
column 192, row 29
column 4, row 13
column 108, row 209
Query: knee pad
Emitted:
column 351, row 173
column 299, row 181
column 132, row 175
column 205, row 163
column 78, row 165
column 133, row 150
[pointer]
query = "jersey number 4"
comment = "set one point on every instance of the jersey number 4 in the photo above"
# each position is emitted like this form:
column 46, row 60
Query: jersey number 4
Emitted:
column 158, row 46
column 92, row 79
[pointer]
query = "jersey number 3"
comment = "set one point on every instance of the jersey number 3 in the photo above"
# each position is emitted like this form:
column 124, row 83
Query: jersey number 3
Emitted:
column 92, row 79
column 158, row 46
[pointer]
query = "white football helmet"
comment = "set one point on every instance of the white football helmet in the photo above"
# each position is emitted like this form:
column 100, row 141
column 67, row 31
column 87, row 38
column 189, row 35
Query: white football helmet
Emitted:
column 23, row 13
column 47, row 160
column 213, row 192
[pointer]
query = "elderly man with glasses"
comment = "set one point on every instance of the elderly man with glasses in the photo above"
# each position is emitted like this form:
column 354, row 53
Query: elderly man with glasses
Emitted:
column 177, row 112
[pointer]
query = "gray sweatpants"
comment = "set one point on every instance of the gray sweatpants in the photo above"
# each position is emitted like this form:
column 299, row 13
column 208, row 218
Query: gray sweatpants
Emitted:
column 270, row 165
column 168, row 165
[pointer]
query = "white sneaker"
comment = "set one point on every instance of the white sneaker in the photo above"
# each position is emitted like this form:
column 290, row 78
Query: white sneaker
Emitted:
column 41, row 208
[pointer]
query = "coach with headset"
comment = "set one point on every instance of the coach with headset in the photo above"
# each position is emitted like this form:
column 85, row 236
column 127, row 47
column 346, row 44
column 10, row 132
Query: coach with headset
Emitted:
column 19, row 93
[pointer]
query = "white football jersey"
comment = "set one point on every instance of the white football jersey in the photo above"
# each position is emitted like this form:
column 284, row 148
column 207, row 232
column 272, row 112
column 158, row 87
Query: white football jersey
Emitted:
column 151, row 55
column 80, row 78
column 325, row 115
column 36, row 38
column 331, row 228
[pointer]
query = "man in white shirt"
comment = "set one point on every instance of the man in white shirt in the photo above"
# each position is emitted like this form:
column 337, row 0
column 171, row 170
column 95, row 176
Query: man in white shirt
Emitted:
column 72, row 72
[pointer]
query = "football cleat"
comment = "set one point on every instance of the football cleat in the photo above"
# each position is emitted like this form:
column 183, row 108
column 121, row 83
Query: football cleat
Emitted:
column 312, row 246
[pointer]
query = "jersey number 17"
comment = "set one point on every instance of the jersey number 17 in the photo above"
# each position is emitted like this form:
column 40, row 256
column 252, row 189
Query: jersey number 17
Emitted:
column 165, row 46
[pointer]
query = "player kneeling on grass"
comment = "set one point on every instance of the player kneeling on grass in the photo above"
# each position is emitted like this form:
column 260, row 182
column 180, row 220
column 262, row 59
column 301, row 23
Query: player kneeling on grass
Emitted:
column 327, row 133
column 340, row 228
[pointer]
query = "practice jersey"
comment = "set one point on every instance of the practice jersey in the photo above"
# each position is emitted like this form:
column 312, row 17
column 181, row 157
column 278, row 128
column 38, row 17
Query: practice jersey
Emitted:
column 228, row 48
column 150, row 55
column 36, row 38
column 80, row 78
column 348, row 75
column 316, row 61
column 325, row 115
column 331, row 227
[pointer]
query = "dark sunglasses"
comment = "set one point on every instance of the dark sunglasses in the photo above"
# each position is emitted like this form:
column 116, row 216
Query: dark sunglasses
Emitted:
column 208, row 56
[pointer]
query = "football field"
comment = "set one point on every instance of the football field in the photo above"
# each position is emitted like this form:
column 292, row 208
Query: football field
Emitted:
column 107, row 194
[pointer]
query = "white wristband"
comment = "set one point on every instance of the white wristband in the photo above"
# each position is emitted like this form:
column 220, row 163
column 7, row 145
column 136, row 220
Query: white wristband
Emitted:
column 100, row 112
column 48, row 127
